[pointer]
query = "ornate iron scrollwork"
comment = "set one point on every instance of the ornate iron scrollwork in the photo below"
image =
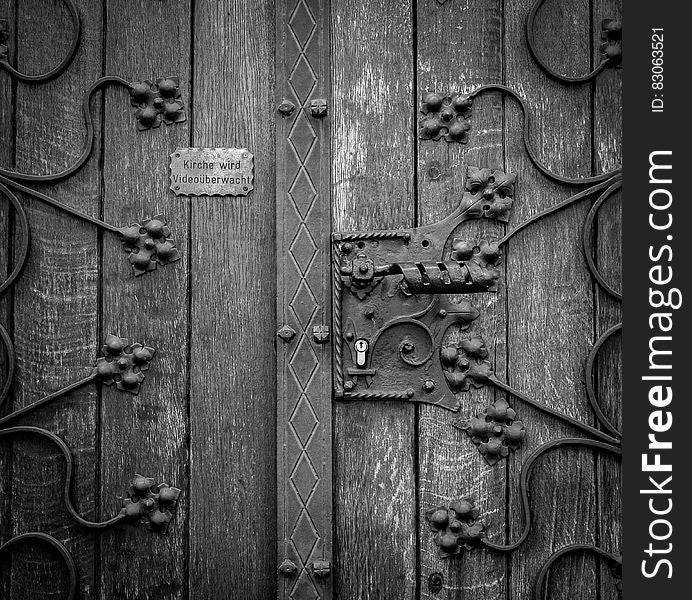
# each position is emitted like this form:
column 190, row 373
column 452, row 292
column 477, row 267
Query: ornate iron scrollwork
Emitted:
column 148, row 244
column 389, row 282
column 121, row 364
column 398, row 283
column 63, row 64
column 65, row 556
column 610, row 48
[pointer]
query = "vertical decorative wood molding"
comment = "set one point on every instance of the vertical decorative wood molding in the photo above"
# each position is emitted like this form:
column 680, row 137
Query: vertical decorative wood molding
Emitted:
column 304, row 414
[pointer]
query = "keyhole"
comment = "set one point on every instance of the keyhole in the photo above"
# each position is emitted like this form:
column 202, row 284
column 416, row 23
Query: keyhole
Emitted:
column 361, row 347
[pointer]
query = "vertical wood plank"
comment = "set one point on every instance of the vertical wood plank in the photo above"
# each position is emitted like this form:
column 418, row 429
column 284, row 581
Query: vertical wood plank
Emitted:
column 460, row 49
column 233, row 327
column 372, row 179
column 147, row 433
column 607, row 123
column 7, row 142
column 56, row 300
column 550, row 299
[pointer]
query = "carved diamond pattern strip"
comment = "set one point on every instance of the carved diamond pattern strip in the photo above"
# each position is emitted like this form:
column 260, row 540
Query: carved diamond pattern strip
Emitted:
column 303, row 193
column 304, row 479
column 302, row 24
column 304, row 588
column 303, row 363
column 303, row 249
column 303, row 421
column 304, row 536
column 305, row 256
column 302, row 137
column 302, row 79
column 303, row 304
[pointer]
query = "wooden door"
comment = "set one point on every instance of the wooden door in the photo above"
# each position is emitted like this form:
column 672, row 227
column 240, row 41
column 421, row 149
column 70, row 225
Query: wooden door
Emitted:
column 281, row 487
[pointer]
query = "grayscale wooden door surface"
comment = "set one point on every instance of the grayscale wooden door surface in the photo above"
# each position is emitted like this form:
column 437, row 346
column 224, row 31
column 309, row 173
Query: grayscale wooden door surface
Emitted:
column 205, row 417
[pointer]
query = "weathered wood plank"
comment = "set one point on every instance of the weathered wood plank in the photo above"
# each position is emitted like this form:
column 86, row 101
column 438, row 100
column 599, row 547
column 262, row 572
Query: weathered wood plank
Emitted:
column 550, row 299
column 233, row 328
column 372, row 178
column 7, row 115
column 460, row 49
column 145, row 434
column 56, row 300
column 608, row 235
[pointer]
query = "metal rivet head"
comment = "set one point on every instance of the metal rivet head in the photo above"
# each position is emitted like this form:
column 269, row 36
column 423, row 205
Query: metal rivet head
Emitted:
column 320, row 333
column 429, row 385
column 435, row 583
column 286, row 108
column 321, row 569
column 318, row 108
column 287, row 567
column 286, row 333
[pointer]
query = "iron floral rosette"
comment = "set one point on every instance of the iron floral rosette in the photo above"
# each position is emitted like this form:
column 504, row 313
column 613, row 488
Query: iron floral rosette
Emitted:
column 445, row 117
column 466, row 364
column 456, row 527
column 488, row 193
column 150, row 504
column 494, row 430
column 611, row 37
column 157, row 103
column 122, row 364
column 149, row 244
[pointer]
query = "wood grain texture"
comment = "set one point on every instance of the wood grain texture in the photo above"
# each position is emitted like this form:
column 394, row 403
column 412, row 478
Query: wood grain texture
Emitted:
column 460, row 49
column 550, row 298
column 233, row 360
column 372, row 178
column 56, row 301
column 145, row 434
column 607, row 124
column 7, row 115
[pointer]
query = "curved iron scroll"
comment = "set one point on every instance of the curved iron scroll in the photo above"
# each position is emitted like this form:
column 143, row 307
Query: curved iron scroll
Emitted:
column 377, row 270
column 37, row 536
column 610, row 49
column 148, row 244
column 76, row 24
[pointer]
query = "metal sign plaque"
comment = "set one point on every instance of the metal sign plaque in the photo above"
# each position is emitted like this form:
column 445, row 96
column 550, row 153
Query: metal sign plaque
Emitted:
column 212, row 171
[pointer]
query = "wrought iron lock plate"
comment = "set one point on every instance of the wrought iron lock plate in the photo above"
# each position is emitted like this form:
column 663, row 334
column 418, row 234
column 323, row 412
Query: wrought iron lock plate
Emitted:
column 392, row 303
